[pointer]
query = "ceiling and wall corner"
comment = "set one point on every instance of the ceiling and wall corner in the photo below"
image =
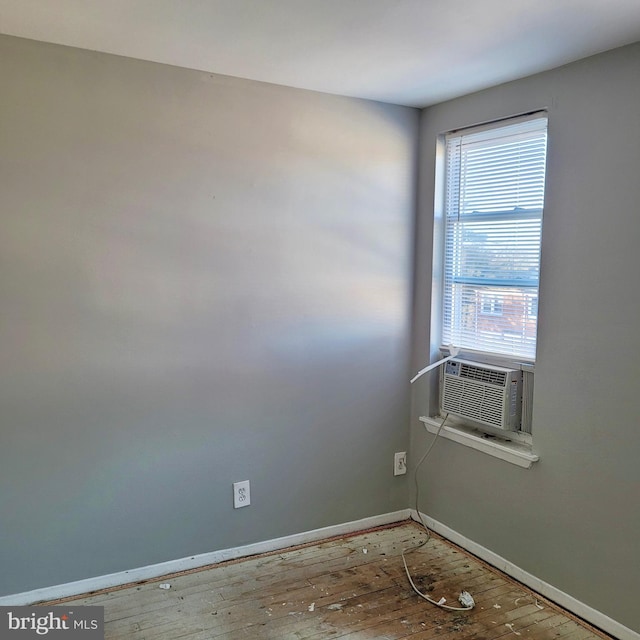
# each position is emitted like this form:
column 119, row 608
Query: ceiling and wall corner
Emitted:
column 408, row 52
column 125, row 185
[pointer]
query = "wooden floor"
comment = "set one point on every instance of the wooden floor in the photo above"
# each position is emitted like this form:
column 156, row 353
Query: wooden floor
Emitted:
column 348, row 588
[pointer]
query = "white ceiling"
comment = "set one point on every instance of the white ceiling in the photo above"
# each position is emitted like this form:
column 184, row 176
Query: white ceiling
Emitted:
column 411, row 52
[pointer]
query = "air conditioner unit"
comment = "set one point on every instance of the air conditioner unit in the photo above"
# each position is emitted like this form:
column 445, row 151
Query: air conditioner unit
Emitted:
column 485, row 394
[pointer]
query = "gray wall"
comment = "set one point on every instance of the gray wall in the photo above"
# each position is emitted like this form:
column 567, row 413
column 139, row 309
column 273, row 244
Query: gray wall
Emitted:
column 202, row 280
column 573, row 520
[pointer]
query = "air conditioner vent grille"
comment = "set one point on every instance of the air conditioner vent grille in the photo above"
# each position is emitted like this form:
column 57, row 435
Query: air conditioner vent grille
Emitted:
column 475, row 401
column 482, row 374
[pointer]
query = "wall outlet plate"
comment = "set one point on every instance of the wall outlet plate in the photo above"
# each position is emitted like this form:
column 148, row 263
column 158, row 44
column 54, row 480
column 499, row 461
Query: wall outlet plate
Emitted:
column 400, row 463
column 241, row 494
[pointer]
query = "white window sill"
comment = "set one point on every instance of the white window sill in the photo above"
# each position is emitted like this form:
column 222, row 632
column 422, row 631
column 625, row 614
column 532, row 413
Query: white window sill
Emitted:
column 516, row 453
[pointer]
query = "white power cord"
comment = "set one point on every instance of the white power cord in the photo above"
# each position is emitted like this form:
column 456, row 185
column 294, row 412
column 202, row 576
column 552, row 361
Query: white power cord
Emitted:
column 465, row 598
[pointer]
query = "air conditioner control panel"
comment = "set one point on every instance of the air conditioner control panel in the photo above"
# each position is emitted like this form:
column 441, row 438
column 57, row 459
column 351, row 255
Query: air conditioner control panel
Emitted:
column 452, row 368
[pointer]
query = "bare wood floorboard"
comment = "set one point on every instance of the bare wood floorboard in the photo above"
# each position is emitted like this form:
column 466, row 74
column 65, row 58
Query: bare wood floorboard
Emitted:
column 351, row 588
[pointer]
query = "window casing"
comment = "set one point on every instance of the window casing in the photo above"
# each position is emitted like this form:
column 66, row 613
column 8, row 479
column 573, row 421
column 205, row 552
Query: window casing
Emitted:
column 493, row 207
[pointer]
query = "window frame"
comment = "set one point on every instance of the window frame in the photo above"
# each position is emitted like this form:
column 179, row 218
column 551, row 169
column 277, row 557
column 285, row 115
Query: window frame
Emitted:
column 439, row 249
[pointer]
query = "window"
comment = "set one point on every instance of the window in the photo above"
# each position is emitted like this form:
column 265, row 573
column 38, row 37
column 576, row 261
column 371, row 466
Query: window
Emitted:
column 491, row 305
column 493, row 205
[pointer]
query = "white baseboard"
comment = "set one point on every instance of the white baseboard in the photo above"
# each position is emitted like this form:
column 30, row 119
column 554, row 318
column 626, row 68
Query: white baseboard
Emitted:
column 193, row 562
column 591, row 615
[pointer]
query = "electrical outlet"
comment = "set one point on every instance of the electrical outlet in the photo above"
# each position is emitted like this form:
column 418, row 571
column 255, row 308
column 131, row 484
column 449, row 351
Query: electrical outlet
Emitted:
column 400, row 463
column 241, row 494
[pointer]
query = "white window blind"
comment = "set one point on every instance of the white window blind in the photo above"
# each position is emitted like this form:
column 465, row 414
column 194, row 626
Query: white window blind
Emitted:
column 494, row 199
